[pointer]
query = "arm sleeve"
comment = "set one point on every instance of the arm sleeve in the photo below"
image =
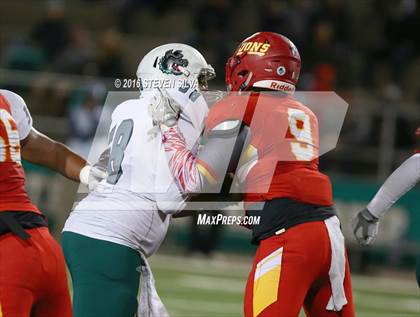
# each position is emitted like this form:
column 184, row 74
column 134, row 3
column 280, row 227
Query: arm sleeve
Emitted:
column 218, row 154
column 398, row 183
column 20, row 113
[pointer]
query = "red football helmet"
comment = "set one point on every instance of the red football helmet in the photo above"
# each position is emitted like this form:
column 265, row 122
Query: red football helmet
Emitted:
column 264, row 60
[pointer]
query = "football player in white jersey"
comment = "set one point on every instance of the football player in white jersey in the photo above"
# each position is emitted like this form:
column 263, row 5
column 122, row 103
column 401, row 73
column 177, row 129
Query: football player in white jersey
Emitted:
column 404, row 178
column 124, row 220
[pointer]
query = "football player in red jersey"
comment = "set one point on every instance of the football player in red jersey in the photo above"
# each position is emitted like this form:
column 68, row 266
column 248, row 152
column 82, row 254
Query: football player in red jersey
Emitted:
column 33, row 279
column 404, row 178
column 271, row 141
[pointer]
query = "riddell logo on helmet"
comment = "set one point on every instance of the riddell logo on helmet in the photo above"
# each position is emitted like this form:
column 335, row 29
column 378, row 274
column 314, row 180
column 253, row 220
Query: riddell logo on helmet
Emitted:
column 256, row 48
column 283, row 87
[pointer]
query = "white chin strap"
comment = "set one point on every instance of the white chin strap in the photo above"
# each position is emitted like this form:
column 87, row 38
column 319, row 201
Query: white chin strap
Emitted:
column 275, row 85
column 184, row 71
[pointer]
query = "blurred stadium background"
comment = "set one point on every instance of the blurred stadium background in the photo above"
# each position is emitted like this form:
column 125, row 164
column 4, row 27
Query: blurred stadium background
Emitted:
column 63, row 56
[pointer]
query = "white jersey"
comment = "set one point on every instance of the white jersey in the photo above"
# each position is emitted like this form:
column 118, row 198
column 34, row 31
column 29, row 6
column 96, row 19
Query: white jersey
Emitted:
column 133, row 206
column 397, row 184
column 19, row 112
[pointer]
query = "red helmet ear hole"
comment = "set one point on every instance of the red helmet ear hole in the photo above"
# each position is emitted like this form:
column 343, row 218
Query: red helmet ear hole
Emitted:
column 243, row 73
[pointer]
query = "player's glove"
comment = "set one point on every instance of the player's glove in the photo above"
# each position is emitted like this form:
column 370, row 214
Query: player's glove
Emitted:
column 163, row 109
column 91, row 176
column 365, row 227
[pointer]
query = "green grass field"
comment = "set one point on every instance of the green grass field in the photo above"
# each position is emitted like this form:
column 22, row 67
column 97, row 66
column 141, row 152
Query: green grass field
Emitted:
column 197, row 287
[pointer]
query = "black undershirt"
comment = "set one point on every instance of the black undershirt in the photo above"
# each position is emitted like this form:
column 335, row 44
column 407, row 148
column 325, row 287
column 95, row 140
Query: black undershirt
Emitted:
column 16, row 221
column 283, row 213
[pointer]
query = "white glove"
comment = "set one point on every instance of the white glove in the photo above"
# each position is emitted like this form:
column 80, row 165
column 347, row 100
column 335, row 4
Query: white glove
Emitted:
column 163, row 109
column 91, row 176
column 365, row 227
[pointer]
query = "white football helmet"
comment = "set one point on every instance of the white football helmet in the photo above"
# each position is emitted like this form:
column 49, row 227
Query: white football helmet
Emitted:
column 174, row 62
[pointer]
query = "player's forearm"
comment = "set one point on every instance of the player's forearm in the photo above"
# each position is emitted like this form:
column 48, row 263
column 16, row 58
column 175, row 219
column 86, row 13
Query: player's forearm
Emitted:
column 67, row 163
column 41, row 150
column 398, row 183
column 183, row 164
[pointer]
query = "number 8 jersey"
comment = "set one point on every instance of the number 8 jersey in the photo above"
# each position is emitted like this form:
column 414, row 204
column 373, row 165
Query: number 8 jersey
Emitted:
column 15, row 125
column 130, row 207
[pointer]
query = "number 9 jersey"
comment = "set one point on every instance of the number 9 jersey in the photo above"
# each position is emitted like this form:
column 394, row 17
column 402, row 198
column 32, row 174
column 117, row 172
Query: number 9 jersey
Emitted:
column 271, row 144
column 280, row 158
column 15, row 125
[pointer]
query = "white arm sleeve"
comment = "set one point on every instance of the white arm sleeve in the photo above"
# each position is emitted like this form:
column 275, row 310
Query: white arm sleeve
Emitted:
column 19, row 112
column 398, row 183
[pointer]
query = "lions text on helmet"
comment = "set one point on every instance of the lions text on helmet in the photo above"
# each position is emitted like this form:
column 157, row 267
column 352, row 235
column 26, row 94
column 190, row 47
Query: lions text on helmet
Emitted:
column 264, row 60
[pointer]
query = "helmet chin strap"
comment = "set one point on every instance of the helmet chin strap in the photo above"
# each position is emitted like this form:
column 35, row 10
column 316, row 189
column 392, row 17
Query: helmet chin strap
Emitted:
column 184, row 71
column 246, row 82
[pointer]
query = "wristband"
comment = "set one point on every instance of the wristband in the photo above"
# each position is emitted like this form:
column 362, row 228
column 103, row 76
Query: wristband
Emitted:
column 84, row 174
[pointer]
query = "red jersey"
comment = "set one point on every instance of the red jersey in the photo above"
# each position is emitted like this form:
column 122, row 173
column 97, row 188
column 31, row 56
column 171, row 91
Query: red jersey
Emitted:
column 15, row 124
column 284, row 142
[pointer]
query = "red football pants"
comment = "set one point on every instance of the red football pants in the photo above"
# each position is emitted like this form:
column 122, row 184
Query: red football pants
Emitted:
column 33, row 279
column 290, row 271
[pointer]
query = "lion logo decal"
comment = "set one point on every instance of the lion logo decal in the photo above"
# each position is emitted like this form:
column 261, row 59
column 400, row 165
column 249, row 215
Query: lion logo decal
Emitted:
column 172, row 61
